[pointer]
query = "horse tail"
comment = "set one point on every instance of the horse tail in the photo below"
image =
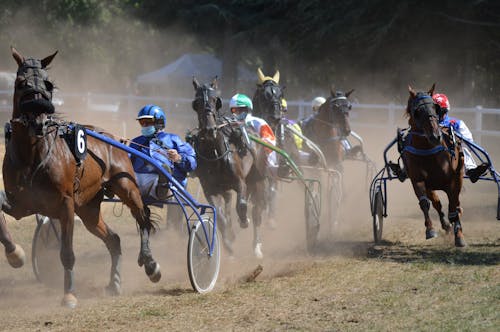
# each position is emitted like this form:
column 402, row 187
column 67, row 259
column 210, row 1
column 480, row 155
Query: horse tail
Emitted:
column 152, row 218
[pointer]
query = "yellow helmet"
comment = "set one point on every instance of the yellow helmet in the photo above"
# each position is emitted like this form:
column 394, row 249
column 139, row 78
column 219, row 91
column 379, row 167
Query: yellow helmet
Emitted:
column 284, row 105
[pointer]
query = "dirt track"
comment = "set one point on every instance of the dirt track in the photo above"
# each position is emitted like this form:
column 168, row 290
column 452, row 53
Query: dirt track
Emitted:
column 350, row 284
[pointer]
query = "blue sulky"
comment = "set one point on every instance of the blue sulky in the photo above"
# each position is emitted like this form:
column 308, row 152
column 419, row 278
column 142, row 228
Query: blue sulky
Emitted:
column 182, row 197
column 378, row 187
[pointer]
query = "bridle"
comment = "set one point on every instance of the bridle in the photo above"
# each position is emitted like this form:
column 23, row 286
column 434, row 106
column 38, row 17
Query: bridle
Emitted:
column 33, row 100
column 337, row 108
column 421, row 108
column 420, row 105
column 206, row 95
column 269, row 97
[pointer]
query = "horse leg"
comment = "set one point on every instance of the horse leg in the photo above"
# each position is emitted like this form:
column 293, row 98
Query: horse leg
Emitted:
column 436, row 203
column 227, row 215
column 14, row 252
column 129, row 193
column 223, row 219
column 67, row 255
column 93, row 221
column 454, row 213
column 425, row 204
column 242, row 204
column 142, row 216
column 272, row 201
column 258, row 199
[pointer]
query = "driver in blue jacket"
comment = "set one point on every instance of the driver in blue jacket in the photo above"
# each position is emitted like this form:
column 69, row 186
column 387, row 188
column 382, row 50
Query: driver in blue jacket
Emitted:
column 177, row 156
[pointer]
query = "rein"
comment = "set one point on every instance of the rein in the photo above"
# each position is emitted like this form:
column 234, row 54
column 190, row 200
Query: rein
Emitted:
column 228, row 150
column 428, row 152
column 44, row 133
column 417, row 103
column 332, row 125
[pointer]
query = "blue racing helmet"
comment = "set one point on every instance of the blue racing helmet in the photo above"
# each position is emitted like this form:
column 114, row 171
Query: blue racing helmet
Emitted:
column 154, row 112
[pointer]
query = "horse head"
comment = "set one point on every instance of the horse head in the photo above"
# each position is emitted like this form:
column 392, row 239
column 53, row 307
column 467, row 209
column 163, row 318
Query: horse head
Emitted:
column 267, row 98
column 423, row 116
column 335, row 112
column 33, row 90
column 206, row 103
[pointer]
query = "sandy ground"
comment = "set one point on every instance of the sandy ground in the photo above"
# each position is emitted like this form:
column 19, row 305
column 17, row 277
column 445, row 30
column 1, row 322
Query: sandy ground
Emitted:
column 22, row 296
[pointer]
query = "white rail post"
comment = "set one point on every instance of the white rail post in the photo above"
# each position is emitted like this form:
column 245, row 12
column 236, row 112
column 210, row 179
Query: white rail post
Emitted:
column 479, row 123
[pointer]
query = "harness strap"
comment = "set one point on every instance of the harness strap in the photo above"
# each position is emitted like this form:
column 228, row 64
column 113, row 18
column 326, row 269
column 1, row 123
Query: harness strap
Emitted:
column 424, row 152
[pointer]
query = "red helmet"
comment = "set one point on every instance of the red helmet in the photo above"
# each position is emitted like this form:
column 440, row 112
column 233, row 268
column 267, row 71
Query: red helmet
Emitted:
column 442, row 101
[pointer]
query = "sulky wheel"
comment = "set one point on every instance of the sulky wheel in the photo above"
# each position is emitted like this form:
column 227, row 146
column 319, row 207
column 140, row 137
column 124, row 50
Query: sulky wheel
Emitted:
column 378, row 216
column 45, row 250
column 312, row 215
column 203, row 268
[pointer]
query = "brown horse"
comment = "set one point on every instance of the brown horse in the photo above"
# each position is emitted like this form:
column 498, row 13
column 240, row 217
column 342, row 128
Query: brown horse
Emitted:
column 226, row 162
column 43, row 175
column 330, row 126
column 434, row 161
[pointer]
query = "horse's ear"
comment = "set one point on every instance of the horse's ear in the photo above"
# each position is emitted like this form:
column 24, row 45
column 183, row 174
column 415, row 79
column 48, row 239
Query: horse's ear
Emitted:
column 431, row 91
column 17, row 56
column 349, row 93
column 195, row 83
column 411, row 91
column 214, row 83
column 260, row 75
column 276, row 76
column 47, row 60
column 332, row 90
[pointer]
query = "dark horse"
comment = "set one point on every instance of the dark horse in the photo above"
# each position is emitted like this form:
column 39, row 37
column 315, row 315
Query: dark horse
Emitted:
column 267, row 104
column 330, row 126
column 227, row 161
column 42, row 175
column 434, row 161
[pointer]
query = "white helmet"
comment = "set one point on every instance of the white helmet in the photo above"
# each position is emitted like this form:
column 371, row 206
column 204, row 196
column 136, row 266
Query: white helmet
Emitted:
column 317, row 102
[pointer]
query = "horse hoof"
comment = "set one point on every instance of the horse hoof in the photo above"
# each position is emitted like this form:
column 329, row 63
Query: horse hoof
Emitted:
column 244, row 223
column 460, row 242
column 258, row 251
column 446, row 226
column 69, row 301
column 113, row 289
column 430, row 233
column 155, row 276
column 17, row 257
column 448, row 229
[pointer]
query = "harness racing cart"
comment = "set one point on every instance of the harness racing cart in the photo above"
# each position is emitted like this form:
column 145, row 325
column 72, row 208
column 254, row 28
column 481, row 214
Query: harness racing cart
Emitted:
column 378, row 187
column 322, row 185
column 203, row 252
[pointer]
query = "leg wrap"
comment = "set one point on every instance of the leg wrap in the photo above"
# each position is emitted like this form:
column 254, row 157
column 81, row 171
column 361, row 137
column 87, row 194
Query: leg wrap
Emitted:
column 453, row 216
column 425, row 203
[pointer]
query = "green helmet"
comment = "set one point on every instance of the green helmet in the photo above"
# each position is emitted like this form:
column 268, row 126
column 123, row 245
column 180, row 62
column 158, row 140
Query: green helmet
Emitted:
column 240, row 100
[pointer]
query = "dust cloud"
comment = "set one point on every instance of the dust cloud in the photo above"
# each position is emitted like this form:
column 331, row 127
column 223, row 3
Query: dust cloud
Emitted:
column 79, row 73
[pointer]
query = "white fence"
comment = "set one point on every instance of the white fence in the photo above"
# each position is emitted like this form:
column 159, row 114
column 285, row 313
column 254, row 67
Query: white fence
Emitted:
column 482, row 121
